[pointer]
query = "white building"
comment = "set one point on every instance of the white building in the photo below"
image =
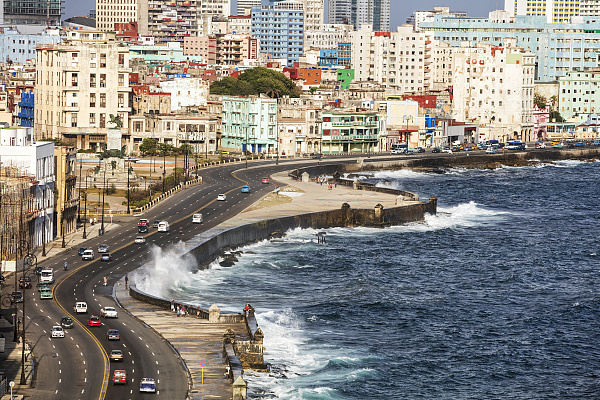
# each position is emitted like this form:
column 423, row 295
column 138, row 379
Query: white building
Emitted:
column 18, row 150
column 109, row 12
column 399, row 60
column 327, row 36
column 493, row 85
column 186, row 92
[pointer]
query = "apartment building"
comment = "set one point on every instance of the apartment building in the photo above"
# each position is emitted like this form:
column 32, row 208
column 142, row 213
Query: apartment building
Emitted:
column 80, row 83
column 350, row 132
column 111, row 12
column 65, row 195
column 32, row 16
column 361, row 12
column 553, row 11
column 493, row 85
column 18, row 48
column 327, row 36
column 400, row 60
column 313, row 14
column 244, row 7
column 579, row 93
column 35, row 160
column 222, row 49
column 240, row 24
column 249, row 124
column 559, row 48
column 279, row 27
column 299, row 126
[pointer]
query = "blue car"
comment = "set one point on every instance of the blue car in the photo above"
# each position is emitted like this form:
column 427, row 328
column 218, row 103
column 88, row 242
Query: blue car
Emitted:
column 245, row 189
column 596, row 142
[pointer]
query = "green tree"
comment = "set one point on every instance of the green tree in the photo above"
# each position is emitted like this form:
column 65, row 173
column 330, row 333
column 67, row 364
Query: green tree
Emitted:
column 539, row 100
column 149, row 146
column 165, row 149
column 186, row 148
column 556, row 117
column 255, row 81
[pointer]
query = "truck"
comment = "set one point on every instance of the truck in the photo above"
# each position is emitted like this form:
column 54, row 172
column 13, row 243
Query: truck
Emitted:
column 47, row 275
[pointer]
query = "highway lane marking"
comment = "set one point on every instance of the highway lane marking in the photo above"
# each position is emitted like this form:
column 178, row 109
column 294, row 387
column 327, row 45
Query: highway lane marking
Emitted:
column 56, row 391
column 156, row 361
column 60, row 371
column 58, row 362
column 53, row 346
column 59, row 381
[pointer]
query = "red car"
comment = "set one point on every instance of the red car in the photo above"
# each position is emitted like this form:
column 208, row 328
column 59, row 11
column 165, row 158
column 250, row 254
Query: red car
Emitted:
column 265, row 180
column 94, row 321
column 119, row 377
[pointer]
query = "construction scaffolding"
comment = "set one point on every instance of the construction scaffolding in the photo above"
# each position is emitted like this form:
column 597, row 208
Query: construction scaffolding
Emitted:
column 17, row 214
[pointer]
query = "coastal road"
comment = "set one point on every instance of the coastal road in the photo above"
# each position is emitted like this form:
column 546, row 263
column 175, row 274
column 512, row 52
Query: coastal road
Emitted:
column 77, row 366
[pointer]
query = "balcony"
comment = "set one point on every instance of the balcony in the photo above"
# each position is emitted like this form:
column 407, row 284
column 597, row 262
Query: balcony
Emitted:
column 72, row 108
column 71, row 88
column 345, row 138
column 354, row 123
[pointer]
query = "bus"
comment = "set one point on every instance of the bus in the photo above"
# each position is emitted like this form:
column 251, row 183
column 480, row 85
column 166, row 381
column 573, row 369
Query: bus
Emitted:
column 515, row 145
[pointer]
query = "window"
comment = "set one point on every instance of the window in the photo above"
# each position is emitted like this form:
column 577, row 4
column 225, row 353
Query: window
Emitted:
column 74, row 120
column 92, row 120
column 74, row 79
column 102, row 80
column 102, row 100
column 120, row 79
column 102, row 120
column 120, row 100
column 93, row 80
column 102, row 60
column 92, row 100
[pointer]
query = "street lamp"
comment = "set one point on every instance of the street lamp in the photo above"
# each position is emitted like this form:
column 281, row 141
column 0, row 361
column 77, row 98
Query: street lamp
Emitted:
column 128, row 173
column 407, row 133
column 79, row 206
column 103, row 192
column 85, row 206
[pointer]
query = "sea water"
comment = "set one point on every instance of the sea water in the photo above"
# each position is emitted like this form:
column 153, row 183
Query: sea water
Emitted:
column 496, row 296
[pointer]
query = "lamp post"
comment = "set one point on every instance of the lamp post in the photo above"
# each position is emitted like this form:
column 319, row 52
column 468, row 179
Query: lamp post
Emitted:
column 164, row 168
column 85, row 207
column 277, row 148
column 246, row 148
column 79, row 206
column 406, row 119
column 128, row 173
column 103, row 192
column 44, row 222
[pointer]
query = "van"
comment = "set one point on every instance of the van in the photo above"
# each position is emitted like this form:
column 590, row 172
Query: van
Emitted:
column 163, row 226
column 80, row 307
column 197, row 219
column 47, row 275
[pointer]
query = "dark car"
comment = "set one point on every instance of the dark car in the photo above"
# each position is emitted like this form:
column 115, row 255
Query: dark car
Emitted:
column 570, row 146
column 17, row 297
column 455, row 149
column 155, row 223
column 38, row 270
column 142, row 229
column 81, row 250
column 106, row 257
column 67, row 322
column 317, row 156
column 436, row 150
column 113, row 334
column 420, row 150
column 25, row 282
column 2, row 278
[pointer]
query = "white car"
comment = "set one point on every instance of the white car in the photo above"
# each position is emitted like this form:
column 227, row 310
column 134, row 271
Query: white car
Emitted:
column 57, row 331
column 88, row 255
column 140, row 239
column 148, row 385
column 103, row 248
column 447, row 150
column 490, row 150
column 221, row 197
column 108, row 312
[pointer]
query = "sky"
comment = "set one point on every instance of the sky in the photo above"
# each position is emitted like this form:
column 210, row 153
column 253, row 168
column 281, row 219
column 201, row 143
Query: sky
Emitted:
column 399, row 9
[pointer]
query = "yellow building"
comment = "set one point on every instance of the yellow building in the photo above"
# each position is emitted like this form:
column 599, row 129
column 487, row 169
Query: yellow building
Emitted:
column 66, row 199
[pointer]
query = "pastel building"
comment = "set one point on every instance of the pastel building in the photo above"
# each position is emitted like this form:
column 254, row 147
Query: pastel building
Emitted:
column 279, row 27
column 559, row 48
column 350, row 132
column 19, row 48
column 554, row 11
column 164, row 53
column 249, row 124
column 579, row 93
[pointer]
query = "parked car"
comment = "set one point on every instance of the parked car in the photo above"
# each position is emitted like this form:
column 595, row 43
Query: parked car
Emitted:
column 596, row 142
column 455, row 149
column 420, row 150
column 67, row 322
column 317, row 156
column 245, row 189
column 147, row 385
column 57, row 331
column 140, row 240
column 265, row 179
column 116, row 355
column 540, row 145
column 581, row 144
column 221, row 197
column 113, row 334
column 94, row 321
column 119, row 377
column 103, row 248
column 108, row 312
column 81, row 250
column 88, row 255
column 436, row 150
column 106, row 257
column 490, row 150
column 447, row 150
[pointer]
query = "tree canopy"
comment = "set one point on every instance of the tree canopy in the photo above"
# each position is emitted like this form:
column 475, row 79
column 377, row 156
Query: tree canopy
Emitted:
column 256, row 81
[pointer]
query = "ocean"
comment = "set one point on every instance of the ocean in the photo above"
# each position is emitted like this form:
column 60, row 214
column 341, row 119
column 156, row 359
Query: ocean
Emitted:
column 494, row 297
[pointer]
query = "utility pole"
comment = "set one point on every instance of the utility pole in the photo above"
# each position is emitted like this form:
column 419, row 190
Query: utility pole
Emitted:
column 85, row 207
column 128, row 172
column 104, row 191
column 44, row 220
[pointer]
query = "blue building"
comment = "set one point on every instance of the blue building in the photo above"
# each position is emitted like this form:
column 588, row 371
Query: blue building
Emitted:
column 19, row 48
column 26, row 112
column 559, row 47
column 279, row 26
column 339, row 57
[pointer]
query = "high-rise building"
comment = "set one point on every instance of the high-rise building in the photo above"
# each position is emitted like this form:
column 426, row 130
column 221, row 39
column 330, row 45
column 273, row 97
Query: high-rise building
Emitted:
column 361, row 12
column 244, row 7
column 109, row 12
column 279, row 26
column 31, row 16
column 555, row 11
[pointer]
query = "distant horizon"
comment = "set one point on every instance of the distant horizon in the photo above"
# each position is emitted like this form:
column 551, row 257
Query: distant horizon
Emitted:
column 399, row 9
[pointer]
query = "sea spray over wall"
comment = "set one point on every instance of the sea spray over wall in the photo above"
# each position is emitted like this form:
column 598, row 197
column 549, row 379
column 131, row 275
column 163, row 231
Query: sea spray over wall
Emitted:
column 168, row 268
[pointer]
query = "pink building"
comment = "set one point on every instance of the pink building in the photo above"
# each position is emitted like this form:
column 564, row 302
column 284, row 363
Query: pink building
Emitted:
column 540, row 121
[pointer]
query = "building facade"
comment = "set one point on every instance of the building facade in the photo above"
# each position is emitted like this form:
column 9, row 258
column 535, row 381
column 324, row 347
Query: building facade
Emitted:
column 350, row 132
column 18, row 48
column 249, row 124
column 32, row 16
column 360, row 12
column 579, row 93
column 65, row 195
column 279, row 27
column 494, row 86
column 552, row 10
column 79, row 85
column 110, row 12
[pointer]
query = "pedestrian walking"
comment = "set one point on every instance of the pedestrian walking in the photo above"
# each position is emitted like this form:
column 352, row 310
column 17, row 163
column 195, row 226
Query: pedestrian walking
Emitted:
column 126, row 279
column 198, row 312
column 335, row 184
column 172, row 305
column 183, row 311
column 178, row 311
